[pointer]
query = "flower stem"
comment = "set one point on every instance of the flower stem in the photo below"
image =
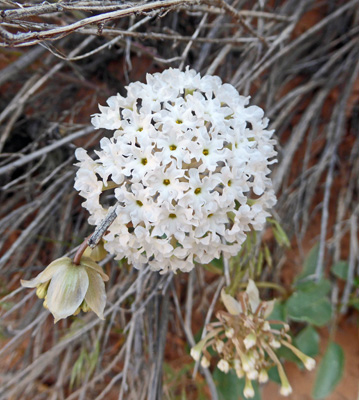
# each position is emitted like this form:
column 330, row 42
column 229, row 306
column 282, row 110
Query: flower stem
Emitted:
column 80, row 251
column 269, row 285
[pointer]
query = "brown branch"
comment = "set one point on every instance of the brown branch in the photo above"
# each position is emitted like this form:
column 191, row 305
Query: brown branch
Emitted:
column 26, row 39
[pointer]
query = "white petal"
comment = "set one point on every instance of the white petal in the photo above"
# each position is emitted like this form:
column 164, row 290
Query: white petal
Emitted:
column 253, row 295
column 269, row 309
column 48, row 272
column 96, row 296
column 67, row 291
column 231, row 304
column 89, row 263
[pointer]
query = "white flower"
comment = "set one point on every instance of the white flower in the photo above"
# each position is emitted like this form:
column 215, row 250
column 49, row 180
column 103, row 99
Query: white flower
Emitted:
column 66, row 287
column 189, row 164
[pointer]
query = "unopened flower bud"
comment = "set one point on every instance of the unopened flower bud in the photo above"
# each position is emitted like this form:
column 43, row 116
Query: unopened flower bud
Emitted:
column 205, row 362
column 252, row 374
column 308, row 362
column 239, row 372
column 266, row 326
column 223, row 366
column 219, row 345
column 275, row 344
column 97, row 254
column 195, row 353
column 245, row 363
column 41, row 290
column 285, row 390
column 248, row 391
column 229, row 333
column 263, row 376
column 236, row 363
column 250, row 340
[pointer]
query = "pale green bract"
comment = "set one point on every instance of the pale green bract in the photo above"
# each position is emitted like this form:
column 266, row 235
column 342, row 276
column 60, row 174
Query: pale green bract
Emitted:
column 67, row 288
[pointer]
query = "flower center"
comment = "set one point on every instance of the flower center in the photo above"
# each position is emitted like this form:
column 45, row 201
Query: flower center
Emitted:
column 197, row 191
column 205, row 152
column 166, row 182
column 178, row 121
column 139, row 203
column 229, row 183
column 172, row 216
column 173, row 147
column 144, row 161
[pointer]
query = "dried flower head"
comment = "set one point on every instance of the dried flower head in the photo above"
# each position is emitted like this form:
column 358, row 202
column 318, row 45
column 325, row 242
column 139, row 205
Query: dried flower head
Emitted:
column 68, row 288
column 250, row 349
column 188, row 163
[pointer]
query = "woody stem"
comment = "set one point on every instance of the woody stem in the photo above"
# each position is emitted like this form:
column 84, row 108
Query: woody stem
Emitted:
column 94, row 239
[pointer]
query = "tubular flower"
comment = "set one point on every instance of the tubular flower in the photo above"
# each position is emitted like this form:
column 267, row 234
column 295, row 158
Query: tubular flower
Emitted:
column 68, row 288
column 187, row 167
column 250, row 349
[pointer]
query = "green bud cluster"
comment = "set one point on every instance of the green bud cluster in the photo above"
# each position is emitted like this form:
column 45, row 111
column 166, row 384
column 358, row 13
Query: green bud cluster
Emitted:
column 246, row 342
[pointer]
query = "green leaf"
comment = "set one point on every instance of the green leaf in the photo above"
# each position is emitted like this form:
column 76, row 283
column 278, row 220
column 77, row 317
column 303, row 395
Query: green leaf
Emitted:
column 310, row 263
column 230, row 387
column 279, row 314
column 274, row 375
column 268, row 257
column 279, row 234
column 340, row 270
column 321, row 288
column 311, row 304
column 307, row 341
column 329, row 372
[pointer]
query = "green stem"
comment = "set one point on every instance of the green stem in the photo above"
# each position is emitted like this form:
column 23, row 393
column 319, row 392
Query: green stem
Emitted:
column 267, row 285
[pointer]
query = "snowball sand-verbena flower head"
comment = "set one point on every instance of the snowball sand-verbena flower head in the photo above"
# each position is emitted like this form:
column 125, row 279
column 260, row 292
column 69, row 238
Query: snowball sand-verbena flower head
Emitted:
column 188, row 162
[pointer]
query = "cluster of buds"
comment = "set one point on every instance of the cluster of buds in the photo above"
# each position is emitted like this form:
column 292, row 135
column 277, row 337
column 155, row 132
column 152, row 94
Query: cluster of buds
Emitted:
column 246, row 342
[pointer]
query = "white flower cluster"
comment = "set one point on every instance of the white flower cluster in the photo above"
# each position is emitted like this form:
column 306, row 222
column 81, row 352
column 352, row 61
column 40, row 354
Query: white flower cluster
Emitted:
column 188, row 163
